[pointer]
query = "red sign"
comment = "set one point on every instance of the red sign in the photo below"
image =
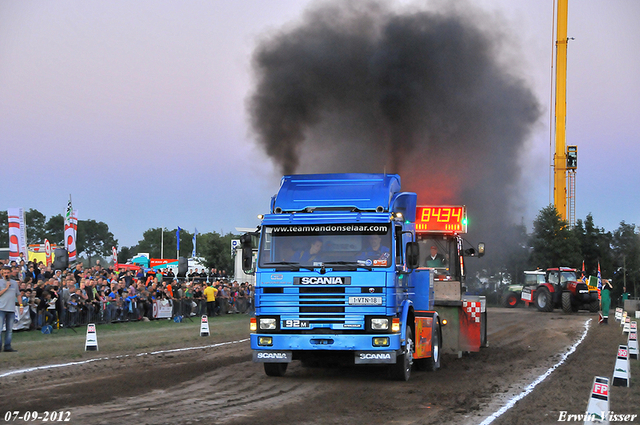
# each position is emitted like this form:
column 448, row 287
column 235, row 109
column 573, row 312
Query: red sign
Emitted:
column 158, row 262
column 633, row 336
column 441, row 218
column 622, row 353
column 600, row 389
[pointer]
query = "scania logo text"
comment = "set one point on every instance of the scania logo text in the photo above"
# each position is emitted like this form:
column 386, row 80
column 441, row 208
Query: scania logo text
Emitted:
column 272, row 356
column 322, row 280
column 375, row 356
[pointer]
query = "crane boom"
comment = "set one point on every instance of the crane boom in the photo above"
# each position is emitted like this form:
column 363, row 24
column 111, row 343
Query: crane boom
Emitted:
column 560, row 157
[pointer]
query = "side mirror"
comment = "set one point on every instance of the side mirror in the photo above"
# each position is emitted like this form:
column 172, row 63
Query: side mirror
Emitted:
column 247, row 253
column 480, row 249
column 413, row 255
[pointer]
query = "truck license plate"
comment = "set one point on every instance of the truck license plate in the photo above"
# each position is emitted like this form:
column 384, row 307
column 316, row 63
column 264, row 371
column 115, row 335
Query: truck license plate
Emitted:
column 365, row 300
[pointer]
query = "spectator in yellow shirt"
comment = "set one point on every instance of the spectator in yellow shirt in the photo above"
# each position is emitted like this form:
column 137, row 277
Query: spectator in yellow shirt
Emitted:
column 210, row 294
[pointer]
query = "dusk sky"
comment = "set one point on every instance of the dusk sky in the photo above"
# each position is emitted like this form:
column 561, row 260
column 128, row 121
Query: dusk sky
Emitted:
column 139, row 109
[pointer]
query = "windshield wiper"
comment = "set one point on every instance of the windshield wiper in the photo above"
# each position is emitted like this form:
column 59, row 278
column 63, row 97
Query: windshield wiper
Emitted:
column 293, row 265
column 348, row 263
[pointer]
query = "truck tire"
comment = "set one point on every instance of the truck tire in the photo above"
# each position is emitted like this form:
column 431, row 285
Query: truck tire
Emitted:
column 594, row 306
column 432, row 363
column 543, row 299
column 275, row 369
column 401, row 370
column 510, row 299
column 566, row 303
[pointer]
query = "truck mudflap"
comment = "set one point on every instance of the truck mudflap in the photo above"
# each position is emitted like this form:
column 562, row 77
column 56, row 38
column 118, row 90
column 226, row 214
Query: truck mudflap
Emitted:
column 375, row 357
column 272, row 356
column 471, row 321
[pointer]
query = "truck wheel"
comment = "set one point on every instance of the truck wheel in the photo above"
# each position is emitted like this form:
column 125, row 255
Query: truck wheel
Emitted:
column 275, row 369
column 401, row 370
column 566, row 303
column 543, row 299
column 594, row 306
column 510, row 300
column 433, row 363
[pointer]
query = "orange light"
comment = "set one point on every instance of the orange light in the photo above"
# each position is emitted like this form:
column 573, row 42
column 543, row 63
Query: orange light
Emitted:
column 395, row 325
column 253, row 324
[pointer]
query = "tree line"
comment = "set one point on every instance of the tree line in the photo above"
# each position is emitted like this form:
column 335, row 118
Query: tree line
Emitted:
column 551, row 243
column 95, row 239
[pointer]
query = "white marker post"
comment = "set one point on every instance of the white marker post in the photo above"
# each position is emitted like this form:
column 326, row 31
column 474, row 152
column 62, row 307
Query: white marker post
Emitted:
column 627, row 325
column 92, row 338
column 598, row 402
column 621, row 373
column 618, row 314
column 623, row 318
column 632, row 341
column 204, row 326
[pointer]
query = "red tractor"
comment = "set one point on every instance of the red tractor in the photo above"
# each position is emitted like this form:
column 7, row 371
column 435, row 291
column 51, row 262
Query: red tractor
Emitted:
column 562, row 289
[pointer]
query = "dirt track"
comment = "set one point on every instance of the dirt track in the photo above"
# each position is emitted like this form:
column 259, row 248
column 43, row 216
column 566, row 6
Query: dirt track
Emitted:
column 222, row 385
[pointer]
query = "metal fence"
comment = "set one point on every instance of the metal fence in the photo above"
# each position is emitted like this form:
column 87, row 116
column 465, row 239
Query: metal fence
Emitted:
column 134, row 310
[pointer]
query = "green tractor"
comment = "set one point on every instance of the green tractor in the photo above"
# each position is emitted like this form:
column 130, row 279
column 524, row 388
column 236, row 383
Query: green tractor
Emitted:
column 512, row 294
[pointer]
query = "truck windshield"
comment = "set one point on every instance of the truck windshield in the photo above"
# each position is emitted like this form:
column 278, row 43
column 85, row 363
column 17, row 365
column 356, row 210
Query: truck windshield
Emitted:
column 567, row 277
column 335, row 245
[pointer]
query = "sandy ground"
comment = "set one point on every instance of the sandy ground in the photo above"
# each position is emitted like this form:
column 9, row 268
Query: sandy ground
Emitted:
column 222, row 385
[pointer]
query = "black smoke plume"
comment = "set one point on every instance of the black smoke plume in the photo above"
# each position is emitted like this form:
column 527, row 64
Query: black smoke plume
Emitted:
column 361, row 87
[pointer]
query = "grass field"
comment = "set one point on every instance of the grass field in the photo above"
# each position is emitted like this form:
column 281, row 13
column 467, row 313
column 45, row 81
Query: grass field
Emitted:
column 35, row 348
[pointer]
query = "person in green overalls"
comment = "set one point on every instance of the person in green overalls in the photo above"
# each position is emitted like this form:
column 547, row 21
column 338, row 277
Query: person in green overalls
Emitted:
column 605, row 300
column 625, row 295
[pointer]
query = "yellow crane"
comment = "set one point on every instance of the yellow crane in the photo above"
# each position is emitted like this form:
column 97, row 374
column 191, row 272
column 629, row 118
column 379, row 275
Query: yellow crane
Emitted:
column 560, row 156
column 565, row 159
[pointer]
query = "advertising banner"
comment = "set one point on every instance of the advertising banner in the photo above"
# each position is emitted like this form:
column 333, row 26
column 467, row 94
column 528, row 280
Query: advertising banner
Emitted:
column 17, row 234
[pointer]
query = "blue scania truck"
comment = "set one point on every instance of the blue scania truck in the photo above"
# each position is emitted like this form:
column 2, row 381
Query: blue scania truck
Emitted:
column 340, row 276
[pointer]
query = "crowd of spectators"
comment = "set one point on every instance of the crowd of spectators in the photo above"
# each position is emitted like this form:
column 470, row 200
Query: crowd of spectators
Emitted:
column 95, row 294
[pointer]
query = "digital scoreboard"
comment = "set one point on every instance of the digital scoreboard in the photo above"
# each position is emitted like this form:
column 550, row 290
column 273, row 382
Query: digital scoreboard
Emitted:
column 441, row 218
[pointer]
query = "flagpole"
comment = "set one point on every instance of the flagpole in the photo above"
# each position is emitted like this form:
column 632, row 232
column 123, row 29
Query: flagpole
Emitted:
column 162, row 243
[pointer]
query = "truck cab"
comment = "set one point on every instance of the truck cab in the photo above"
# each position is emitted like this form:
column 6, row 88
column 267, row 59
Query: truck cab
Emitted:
column 338, row 276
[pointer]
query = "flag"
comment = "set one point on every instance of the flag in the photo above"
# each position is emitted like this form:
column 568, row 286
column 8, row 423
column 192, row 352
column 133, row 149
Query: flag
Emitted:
column 17, row 234
column 195, row 233
column 584, row 275
column 47, row 251
column 178, row 238
column 68, row 212
column 115, row 258
column 599, row 280
column 71, row 231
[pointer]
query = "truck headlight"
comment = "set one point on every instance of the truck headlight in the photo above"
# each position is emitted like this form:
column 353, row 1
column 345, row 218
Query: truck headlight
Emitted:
column 268, row 323
column 379, row 324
